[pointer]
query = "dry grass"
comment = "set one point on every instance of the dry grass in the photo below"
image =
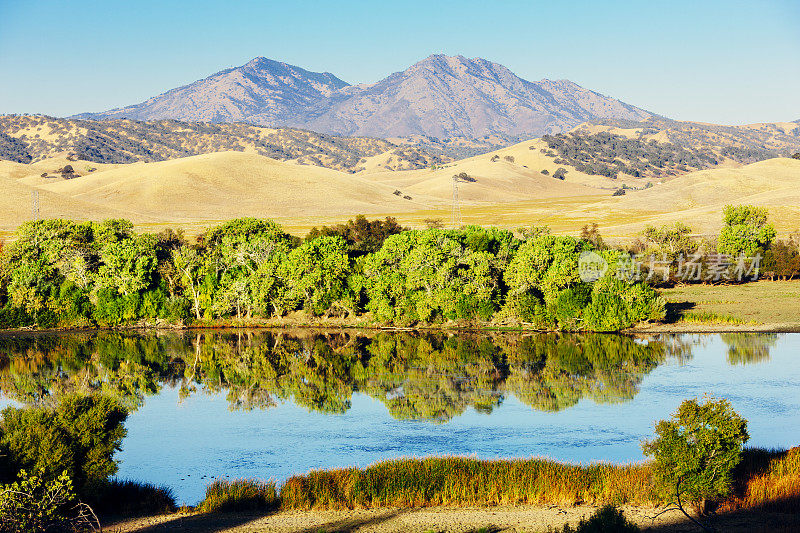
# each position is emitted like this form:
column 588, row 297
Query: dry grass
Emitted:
column 762, row 302
column 199, row 191
column 769, row 481
column 467, row 482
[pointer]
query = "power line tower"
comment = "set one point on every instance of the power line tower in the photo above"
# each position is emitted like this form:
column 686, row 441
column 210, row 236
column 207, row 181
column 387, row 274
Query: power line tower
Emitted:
column 35, row 205
column 456, row 217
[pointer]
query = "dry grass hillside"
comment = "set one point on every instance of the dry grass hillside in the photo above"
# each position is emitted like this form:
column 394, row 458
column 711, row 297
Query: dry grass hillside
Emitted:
column 506, row 187
column 33, row 138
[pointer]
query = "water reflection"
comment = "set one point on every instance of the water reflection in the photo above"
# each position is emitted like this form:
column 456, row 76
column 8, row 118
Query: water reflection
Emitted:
column 417, row 376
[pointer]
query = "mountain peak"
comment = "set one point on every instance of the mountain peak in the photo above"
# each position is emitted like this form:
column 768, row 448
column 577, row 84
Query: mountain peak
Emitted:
column 438, row 96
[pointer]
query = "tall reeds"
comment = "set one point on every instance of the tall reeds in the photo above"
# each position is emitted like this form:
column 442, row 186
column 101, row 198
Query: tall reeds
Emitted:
column 239, row 495
column 466, row 481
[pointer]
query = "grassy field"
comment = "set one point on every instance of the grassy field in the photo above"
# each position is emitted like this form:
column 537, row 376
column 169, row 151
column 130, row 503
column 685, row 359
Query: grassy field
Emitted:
column 773, row 304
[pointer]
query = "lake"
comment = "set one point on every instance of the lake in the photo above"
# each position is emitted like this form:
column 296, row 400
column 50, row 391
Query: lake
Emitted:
column 270, row 404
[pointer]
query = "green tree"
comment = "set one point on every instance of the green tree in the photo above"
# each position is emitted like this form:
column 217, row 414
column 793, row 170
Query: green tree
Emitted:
column 697, row 450
column 669, row 241
column 745, row 231
column 315, row 274
column 434, row 275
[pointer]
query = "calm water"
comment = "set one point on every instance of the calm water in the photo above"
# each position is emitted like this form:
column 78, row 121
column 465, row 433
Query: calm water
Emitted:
column 268, row 406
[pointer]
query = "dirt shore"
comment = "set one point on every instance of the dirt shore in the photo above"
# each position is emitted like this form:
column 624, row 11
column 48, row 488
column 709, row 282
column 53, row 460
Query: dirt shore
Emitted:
column 528, row 519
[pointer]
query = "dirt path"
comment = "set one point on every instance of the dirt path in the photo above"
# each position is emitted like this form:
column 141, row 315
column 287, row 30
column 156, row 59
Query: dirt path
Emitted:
column 528, row 519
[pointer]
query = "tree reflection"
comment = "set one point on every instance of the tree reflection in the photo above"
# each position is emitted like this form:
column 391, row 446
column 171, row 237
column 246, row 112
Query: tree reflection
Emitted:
column 746, row 348
column 416, row 375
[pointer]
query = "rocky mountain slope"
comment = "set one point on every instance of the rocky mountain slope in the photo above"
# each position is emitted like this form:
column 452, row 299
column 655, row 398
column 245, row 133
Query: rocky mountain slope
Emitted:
column 440, row 96
column 261, row 91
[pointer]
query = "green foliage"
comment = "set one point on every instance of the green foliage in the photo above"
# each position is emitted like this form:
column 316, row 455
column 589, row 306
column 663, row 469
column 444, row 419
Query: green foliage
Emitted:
column 669, row 242
column 745, row 231
column 697, row 450
column 430, row 276
column 545, row 288
column 60, row 273
column 607, row 519
column 35, row 504
column 315, row 274
column 79, row 436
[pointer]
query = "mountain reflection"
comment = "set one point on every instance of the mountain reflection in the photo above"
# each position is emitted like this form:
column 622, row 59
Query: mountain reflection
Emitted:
column 417, row 376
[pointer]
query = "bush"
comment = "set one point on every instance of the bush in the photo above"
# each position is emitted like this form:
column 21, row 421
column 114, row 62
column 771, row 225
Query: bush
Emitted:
column 239, row 495
column 607, row 519
column 697, row 450
column 34, row 504
column 78, row 437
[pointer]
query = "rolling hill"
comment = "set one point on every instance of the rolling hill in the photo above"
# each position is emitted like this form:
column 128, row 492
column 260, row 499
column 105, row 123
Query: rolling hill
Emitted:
column 26, row 138
column 440, row 96
column 506, row 187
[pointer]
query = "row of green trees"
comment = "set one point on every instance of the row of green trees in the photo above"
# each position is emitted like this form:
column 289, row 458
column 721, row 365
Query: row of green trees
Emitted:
column 64, row 273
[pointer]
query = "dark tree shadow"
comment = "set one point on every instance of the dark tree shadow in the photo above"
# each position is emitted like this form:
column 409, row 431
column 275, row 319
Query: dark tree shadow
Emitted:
column 674, row 310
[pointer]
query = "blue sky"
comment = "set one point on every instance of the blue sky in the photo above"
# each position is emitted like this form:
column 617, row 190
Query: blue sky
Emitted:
column 726, row 62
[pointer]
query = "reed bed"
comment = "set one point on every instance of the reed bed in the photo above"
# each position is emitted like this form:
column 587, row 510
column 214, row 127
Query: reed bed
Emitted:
column 768, row 480
column 239, row 495
column 466, row 481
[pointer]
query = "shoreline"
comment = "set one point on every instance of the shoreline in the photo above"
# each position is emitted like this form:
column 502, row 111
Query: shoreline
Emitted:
column 645, row 329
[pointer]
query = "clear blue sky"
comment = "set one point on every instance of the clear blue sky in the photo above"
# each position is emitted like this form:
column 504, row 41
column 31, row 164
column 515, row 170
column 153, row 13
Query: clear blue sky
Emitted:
column 727, row 62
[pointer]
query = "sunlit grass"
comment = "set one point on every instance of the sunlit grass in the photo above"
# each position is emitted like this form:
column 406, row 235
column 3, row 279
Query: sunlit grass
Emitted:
column 464, row 481
column 769, row 480
column 239, row 495
column 708, row 317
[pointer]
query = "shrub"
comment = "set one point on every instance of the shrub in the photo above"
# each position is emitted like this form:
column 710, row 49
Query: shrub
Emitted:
column 607, row 519
column 697, row 450
column 560, row 173
column 34, row 504
column 239, row 495
column 78, row 437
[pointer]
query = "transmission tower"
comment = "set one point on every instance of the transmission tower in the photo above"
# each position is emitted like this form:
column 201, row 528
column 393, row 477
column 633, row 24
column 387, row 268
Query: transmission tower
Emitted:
column 35, row 205
column 456, row 218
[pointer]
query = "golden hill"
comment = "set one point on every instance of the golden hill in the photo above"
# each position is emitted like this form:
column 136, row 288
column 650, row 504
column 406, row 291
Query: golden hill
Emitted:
column 26, row 138
column 505, row 188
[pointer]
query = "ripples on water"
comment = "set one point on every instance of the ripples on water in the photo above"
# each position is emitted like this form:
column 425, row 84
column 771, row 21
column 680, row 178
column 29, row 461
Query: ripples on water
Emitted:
column 269, row 404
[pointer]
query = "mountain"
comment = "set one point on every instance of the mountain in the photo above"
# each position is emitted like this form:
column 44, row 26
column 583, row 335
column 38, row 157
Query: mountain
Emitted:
column 440, row 96
column 443, row 97
column 261, row 91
